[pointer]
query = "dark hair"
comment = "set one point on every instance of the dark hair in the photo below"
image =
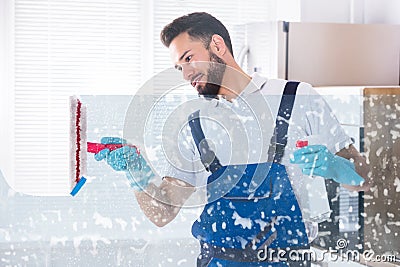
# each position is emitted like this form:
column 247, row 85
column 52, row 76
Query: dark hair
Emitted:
column 199, row 25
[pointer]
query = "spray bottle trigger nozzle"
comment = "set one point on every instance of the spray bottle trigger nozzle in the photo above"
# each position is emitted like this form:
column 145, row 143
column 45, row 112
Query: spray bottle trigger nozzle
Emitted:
column 301, row 143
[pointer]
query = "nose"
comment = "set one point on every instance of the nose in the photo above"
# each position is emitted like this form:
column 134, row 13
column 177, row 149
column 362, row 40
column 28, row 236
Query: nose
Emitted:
column 187, row 71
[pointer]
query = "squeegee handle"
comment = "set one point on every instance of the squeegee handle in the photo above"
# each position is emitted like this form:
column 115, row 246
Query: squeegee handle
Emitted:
column 96, row 147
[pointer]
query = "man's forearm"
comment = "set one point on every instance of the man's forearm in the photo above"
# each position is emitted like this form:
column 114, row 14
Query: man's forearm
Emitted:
column 162, row 203
column 156, row 205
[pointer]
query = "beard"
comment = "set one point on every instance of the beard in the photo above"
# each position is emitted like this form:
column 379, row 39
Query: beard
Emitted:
column 215, row 75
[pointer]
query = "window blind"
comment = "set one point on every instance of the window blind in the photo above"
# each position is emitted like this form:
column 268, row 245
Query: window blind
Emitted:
column 64, row 48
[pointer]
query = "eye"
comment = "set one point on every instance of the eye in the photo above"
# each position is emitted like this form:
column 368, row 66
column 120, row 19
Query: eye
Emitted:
column 188, row 58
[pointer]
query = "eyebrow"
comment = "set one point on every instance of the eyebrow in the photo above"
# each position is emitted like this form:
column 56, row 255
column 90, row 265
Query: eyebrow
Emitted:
column 181, row 57
column 184, row 54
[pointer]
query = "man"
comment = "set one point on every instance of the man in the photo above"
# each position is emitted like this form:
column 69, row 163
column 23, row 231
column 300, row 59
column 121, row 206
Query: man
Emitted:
column 237, row 223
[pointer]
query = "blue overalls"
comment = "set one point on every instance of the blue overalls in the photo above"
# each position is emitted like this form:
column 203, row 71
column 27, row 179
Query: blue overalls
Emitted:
column 251, row 207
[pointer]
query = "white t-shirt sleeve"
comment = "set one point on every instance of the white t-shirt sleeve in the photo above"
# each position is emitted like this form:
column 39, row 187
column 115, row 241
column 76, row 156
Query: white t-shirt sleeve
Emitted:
column 321, row 121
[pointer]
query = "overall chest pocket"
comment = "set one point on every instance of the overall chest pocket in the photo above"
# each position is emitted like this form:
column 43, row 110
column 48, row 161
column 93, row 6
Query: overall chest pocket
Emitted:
column 247, row 182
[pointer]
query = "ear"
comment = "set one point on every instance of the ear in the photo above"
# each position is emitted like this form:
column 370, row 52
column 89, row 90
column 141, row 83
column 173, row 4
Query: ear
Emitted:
column 217, row 45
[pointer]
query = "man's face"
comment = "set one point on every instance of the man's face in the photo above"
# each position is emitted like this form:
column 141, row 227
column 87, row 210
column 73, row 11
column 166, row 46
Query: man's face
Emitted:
column 199, row 65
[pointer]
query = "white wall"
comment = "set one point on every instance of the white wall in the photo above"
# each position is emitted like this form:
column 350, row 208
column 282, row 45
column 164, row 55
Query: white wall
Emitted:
column 325, row 11
column 4, row 74
column 2, row 51
column 2, row 41
column 351, row 11
column 288, row 10
column 382, row 11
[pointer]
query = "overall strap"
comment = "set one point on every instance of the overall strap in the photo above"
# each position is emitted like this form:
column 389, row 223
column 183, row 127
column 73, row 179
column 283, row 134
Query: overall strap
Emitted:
column 207, row 156
column 279, row 139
